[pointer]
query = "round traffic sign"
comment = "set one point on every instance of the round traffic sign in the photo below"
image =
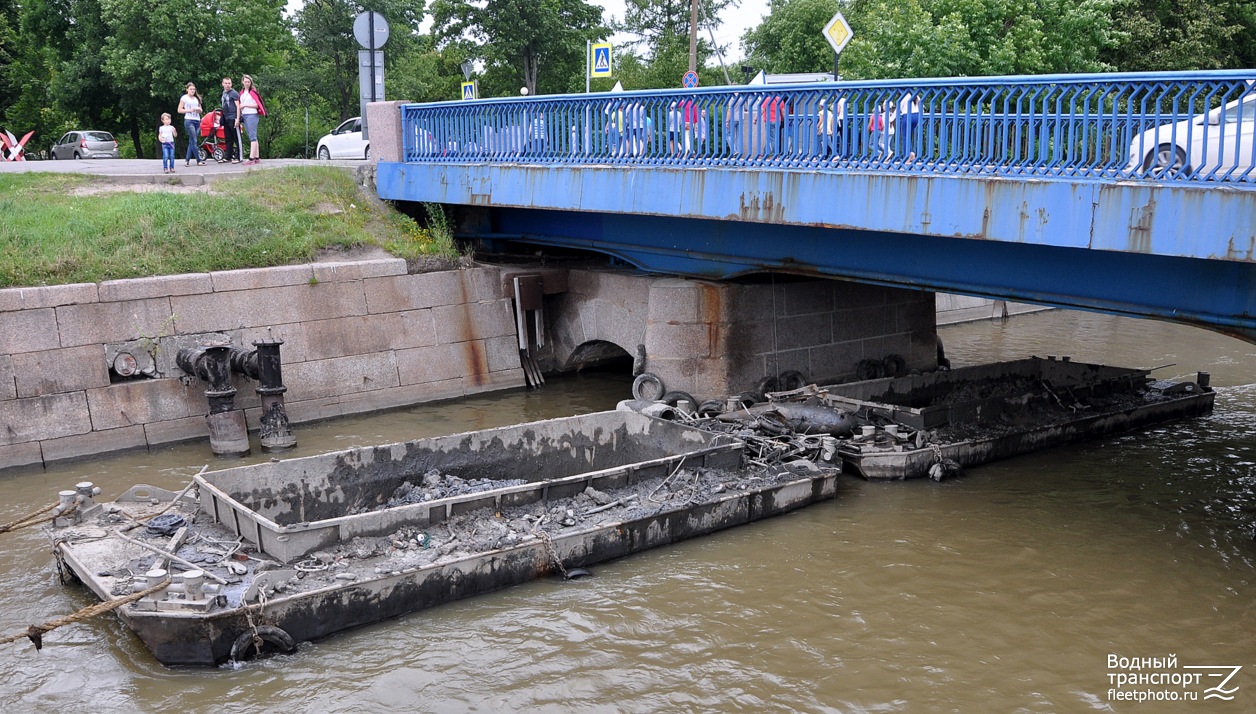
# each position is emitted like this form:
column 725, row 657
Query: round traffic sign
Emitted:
column 690, row 80
column 362, row 30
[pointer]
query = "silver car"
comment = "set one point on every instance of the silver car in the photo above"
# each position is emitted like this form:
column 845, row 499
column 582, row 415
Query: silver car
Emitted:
column 1220, row 143
column 85, row 145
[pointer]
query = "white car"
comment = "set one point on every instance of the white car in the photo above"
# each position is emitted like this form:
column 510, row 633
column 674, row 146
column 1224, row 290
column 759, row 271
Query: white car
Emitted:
column 1217, row 143
column 345, row 142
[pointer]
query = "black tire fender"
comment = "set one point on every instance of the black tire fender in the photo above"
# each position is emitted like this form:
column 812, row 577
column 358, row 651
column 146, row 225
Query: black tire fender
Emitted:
column 245, row 647
column 711, row 407
column 791, row 380
column 672, row 398
column 765, row 385
column 868, row 369
column 648, row 380
column 894, row 365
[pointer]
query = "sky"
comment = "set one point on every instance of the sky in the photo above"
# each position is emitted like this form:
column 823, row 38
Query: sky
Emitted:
column 735, row 21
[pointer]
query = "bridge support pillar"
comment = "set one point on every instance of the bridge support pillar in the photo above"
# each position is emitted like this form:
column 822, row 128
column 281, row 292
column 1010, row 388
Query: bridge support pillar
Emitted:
column 717, row 338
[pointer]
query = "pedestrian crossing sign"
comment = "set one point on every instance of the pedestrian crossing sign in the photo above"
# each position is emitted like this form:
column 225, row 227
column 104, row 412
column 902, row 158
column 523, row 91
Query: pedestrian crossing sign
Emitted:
column 468, row 91
column 600, row 66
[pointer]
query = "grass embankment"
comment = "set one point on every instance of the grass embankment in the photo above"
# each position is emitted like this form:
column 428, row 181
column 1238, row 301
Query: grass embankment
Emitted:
column 58, row 228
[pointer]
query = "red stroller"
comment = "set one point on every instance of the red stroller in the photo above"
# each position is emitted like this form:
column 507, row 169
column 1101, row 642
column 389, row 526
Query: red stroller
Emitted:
column 213, row 137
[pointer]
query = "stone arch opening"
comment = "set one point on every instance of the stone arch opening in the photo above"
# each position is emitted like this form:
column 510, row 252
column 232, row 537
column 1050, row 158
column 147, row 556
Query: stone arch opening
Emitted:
column 602, row 355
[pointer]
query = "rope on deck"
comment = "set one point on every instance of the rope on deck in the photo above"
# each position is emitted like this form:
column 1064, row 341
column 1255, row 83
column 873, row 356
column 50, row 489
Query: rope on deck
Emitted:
column 33, row 519
column 35, row 633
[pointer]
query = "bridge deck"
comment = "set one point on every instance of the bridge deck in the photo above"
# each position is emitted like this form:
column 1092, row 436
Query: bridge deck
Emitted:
column 1123, row 193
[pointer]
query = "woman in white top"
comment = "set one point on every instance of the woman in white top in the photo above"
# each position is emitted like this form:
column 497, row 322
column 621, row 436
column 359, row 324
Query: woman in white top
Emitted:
column 190, row 108
column 250, row 111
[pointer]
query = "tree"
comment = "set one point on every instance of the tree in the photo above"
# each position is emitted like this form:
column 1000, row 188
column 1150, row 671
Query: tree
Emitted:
column 1160, row 35
column 659, row 56
column 932, row 38
column 789, row 39
column 325, row 33
column 153, row 49
column 539, row 44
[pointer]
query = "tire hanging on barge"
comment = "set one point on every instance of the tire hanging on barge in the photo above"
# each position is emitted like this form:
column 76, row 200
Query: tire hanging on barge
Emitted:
column 246, row 646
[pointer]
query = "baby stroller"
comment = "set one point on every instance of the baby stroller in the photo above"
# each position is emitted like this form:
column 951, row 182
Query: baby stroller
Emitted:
column 213, row 137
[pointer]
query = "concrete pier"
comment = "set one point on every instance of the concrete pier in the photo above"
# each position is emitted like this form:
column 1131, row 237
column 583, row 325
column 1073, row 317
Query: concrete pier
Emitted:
column 715, row 338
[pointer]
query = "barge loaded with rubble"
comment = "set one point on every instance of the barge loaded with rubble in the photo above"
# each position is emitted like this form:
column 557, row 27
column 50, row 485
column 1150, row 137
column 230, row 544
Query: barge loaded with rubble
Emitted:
column 937, row 423
column 282, row 552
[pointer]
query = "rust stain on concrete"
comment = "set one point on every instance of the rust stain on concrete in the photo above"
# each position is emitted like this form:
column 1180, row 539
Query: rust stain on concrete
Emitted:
column 474, row 360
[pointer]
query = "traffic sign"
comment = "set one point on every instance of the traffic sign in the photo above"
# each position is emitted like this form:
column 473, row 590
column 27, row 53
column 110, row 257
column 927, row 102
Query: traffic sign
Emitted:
column 838, row 33
column 601, row 64
column 690, row 80
column 469, row 91
column 370, row 29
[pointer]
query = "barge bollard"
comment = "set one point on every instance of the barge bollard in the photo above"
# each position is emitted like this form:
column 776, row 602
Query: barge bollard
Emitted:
column 228, row 434
column 1204, row 380
column 276, row 432
column 193, row 582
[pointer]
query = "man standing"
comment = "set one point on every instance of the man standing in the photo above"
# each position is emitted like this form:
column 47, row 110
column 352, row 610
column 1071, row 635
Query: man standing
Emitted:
column 231, row 120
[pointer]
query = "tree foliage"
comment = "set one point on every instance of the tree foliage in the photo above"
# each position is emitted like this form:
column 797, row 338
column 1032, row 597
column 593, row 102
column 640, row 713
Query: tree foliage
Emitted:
column 1162, row 35
column 538, row 44
column 938, row 38
column 789, row 39
column 330, row 53
column 658, row 55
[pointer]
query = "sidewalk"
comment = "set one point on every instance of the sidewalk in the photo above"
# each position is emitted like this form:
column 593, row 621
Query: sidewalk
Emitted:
column 149, row 170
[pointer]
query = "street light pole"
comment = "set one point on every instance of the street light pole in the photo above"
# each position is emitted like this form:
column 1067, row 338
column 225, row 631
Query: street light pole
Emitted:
column 693, row 36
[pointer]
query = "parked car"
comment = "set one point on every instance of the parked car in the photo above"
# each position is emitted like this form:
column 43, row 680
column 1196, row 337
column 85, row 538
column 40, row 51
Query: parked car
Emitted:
column 345, row 142
column 1220, row 141
column 85, row 145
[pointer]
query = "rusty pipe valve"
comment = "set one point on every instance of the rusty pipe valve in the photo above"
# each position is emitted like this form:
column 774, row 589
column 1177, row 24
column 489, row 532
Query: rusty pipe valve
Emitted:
column 228, row 434
column 276, row 431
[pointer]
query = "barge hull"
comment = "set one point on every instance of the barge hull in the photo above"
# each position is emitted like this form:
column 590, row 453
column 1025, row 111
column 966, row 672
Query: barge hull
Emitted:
column 192, row 639
column 890, row 466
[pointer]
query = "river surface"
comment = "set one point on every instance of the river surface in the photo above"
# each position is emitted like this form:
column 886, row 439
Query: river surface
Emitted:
column 1004, row 590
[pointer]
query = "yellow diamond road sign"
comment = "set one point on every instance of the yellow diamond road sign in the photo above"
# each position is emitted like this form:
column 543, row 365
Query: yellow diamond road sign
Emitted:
column 838, row 33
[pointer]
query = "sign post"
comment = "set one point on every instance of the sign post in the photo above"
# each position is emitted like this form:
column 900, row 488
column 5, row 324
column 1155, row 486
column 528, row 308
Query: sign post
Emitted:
column 370, row 29
column 838, row 34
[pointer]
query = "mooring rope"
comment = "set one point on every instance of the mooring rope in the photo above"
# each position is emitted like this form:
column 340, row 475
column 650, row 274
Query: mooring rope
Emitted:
column 35, row 633
column 33, row 519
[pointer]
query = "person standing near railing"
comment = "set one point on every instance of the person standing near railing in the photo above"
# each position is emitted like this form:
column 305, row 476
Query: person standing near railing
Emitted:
column 773, row 117
column 614, row 127
column 824, row 131
column 538, row 131
column 879, row 125
column 839, row 135
column 732, row 123
column 908, row 121
column 636, row 120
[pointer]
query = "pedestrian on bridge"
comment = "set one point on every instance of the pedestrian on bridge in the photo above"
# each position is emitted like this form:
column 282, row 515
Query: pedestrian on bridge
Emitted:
column 773, row 121
column 907, row 123
column 732, row 123
column 824, row 131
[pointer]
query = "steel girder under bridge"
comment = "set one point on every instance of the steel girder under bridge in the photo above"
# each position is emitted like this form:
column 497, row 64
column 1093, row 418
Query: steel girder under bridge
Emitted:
column 1130, row 194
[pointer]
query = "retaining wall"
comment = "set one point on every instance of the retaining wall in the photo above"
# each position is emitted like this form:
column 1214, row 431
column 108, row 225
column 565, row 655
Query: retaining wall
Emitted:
column 358, row 336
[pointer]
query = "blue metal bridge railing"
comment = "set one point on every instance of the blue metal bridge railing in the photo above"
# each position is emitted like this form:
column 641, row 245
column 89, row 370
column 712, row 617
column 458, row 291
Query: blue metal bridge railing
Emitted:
column 1179, row 127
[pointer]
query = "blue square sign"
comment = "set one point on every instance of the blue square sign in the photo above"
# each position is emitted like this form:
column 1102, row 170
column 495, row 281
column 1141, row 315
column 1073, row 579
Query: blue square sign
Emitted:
column 600, row 63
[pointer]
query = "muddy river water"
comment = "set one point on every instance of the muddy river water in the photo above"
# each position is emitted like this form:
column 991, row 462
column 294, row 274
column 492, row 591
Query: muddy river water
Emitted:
column 1005, row 590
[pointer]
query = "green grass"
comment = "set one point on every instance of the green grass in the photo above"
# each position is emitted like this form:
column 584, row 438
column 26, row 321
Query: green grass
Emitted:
column 50, row 235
